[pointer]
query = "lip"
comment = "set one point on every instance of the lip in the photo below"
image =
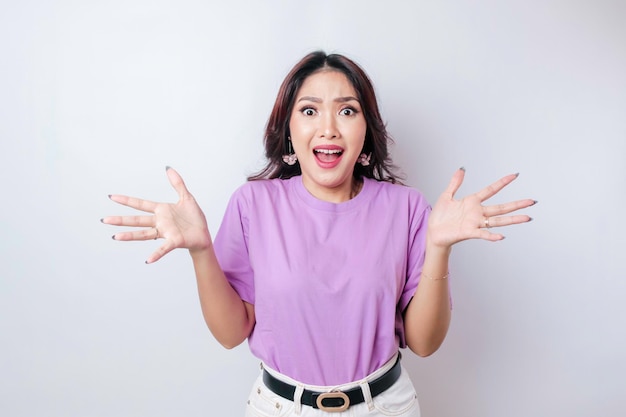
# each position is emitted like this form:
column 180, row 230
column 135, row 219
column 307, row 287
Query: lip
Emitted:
column 324, row 164
column 328, row 148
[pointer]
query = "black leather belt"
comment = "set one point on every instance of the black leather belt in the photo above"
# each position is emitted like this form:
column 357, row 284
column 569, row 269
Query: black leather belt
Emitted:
column 334, row 401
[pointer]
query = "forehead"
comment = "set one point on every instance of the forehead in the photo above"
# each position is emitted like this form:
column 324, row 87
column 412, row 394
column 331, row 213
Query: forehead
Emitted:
column 327, row 83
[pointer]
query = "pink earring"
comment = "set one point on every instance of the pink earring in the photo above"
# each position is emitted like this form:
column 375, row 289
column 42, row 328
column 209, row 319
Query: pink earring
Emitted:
column 364, row 159
column 291, row 157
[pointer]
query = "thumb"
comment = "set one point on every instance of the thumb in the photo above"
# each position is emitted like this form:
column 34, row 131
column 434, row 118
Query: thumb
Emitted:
column 455, row 182
column 177, row 182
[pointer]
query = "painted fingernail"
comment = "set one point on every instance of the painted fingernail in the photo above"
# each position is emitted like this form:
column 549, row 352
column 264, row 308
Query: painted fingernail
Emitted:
column 167, row 167
column 110, row 196
column 101, row 220
column 113, row 237
column 535, row 202
column 530, row 219
column 516, row 174
column 462, row 169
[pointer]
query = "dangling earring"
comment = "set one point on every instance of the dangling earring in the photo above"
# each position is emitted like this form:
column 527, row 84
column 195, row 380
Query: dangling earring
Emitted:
column 364, row 159
column 291, row 157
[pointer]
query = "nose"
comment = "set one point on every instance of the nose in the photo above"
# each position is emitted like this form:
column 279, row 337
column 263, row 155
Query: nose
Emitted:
column 328, row 126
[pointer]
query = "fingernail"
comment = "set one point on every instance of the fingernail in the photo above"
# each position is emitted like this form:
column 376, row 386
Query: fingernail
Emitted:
column 462, row 169
column 101, row 220
column 535, row 202
column 167, row 167
column 113, row 237
column 110, row 195
column 530, row 219
column 516, row 174
column 146, row 262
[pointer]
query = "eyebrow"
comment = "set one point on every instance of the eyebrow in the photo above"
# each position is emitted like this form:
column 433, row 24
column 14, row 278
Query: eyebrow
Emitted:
column 319, row 100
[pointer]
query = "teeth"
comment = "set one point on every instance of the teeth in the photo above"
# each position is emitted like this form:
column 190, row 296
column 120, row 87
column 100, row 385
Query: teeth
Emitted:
column 328, row 151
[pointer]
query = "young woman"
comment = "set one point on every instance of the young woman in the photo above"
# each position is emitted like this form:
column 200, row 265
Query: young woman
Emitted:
column 324, row 261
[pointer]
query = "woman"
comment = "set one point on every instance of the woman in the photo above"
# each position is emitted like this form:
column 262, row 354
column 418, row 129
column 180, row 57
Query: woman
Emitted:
column 323, row 261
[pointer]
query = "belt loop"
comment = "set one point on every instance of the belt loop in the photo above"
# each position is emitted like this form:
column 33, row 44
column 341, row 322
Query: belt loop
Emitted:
column 367, row 395
column 297, row 398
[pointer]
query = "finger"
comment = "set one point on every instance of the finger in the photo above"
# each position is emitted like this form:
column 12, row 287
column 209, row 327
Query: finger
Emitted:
column 132, row 202
column 455, row 182
column 494, row 188
column 492, row 237
column 177, row 182
column 507, row 220
column 505, row 208
column 143, row 234
column 484, row 234
column 135, row 221
column 163, row 250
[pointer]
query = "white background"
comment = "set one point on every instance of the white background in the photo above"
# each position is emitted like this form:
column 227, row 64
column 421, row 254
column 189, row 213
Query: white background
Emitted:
column 98, row 97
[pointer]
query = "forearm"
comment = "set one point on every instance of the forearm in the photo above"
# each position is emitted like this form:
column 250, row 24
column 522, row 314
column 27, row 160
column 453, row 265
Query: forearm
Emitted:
column 427, row 317
column 227, row 316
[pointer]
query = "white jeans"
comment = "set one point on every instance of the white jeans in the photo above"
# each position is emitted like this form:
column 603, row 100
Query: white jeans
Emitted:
column 400, row 400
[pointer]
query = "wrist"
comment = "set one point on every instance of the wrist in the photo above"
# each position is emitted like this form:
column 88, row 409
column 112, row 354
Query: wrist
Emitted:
column 437, row 249
column 201, row 250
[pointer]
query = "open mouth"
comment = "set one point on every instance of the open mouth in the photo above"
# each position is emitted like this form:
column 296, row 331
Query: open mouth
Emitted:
column 328, row 155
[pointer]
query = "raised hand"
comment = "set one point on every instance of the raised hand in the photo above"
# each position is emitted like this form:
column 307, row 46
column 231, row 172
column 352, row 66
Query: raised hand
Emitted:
column 452, row 221
column 181, row 225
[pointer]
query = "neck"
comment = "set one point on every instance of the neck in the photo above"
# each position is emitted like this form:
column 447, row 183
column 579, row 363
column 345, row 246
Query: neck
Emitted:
column 335, row 195
column 357, row 185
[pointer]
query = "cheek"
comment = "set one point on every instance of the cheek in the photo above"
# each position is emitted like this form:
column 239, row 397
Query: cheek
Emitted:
column 298, row 138
column 291, row 126
column 297, row 128
column 359, row 135
column 359, row 127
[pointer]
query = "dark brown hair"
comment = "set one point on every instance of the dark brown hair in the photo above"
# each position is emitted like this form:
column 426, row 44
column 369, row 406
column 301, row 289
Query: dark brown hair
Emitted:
column 277, row 130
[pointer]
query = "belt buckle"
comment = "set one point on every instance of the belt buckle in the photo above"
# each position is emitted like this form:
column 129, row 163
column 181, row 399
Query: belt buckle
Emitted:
column 333, row 394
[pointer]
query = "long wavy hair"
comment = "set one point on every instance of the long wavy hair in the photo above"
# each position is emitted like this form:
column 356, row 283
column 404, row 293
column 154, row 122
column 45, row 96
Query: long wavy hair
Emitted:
column 276, row 137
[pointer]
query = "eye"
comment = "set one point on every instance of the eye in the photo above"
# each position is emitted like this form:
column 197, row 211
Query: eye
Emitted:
column 348, row 111
column 308, row 111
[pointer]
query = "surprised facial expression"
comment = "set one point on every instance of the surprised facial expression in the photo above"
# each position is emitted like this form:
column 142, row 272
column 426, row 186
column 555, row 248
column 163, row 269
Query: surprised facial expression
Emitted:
column 327, row 129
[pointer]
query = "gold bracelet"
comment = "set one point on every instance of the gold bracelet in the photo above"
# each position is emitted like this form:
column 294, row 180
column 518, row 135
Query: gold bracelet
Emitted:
column 436, row 279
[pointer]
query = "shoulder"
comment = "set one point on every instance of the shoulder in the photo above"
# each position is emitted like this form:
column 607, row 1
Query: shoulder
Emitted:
column 259, row 193
column 398, row 193
column 261, row 187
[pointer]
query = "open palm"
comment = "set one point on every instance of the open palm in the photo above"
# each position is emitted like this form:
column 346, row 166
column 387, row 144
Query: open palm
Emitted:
column 452, row 221
column 181, row 224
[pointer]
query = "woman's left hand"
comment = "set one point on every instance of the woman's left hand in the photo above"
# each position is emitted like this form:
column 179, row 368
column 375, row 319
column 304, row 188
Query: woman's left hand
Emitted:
column 452, row 221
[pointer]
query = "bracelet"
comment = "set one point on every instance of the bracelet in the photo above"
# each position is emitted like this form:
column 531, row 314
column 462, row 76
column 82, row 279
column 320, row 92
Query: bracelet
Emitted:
column 436, row 279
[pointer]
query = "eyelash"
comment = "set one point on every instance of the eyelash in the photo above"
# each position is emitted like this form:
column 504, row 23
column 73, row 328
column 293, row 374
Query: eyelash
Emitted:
column 352, row 110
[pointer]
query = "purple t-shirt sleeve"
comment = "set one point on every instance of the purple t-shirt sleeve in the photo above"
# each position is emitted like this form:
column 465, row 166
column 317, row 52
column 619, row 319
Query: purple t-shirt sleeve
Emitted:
column 415, row 259
column 231, row 248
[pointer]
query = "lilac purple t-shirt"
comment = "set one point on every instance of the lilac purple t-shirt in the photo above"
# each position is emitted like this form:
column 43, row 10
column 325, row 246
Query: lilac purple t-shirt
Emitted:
column 328, row 281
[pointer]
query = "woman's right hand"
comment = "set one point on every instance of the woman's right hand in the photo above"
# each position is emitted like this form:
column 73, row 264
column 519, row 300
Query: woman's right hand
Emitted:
column 181, row 225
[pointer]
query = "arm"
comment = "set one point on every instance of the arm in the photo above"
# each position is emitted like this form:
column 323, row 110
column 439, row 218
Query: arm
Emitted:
column 183, row 225
column 230, row 319
column 427, row 317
